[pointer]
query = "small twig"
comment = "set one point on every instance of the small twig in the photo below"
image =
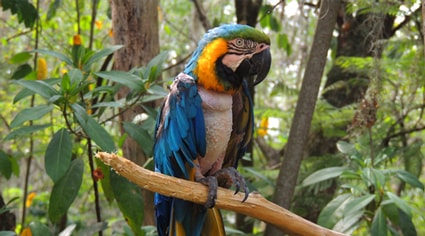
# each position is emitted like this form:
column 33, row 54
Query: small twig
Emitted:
column 255, row 206
column 95, row 187
column 93, row 21
column 201, row 15
column 77, row 9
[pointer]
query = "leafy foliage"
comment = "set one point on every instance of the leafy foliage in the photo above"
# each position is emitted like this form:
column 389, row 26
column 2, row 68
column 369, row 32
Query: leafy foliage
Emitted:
column 59, row 121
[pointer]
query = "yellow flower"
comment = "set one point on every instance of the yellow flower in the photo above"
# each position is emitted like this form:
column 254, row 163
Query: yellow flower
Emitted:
column 264, row 124
column 111, row 33
column 30, row 197
column 77, row 39
column 99, row 24
column 41, row 69
column 26, row 232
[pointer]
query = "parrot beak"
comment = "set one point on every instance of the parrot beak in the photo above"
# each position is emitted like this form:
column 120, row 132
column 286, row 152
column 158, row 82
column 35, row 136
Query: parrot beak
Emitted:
column 260, row 65
column 256, row 67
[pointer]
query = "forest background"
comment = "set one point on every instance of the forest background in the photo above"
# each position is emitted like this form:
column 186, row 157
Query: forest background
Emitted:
column 78, row 77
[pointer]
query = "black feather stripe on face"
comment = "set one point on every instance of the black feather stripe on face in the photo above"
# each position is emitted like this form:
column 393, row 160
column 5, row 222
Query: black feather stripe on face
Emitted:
column 232, row 80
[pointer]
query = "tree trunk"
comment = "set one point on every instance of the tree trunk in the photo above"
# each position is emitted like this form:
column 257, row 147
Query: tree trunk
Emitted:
column 135, row 25
column 298, row 135
column 358, row 36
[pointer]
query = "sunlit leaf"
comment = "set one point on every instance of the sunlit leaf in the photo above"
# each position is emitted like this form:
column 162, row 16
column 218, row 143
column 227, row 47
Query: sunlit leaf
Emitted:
column 124, row 78
column 58, row 55
column 20, row 58
column 345, row 147
column 323, row 174
column 58, row 155
column 93, row 129
column 68, row 230
column 99, row 54
column 33, row 113
column 332, row 212
column 65, row 190
column 129, row 200
column 357, row 204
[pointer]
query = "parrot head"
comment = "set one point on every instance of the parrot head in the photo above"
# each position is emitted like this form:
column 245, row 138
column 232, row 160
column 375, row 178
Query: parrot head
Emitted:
column 227, row 55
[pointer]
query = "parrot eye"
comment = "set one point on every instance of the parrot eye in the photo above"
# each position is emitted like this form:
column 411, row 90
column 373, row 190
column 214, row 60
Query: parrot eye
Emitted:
column 239, row 42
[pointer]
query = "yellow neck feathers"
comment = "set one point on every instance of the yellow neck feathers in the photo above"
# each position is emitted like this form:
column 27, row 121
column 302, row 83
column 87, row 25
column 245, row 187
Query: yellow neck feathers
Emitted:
column 206, row 71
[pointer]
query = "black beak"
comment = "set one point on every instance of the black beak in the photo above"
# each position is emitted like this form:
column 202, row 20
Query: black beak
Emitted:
column 257, row 66
column 261, row 63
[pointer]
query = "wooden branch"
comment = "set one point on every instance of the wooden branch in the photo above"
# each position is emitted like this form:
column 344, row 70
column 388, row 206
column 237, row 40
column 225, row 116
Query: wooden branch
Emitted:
column 255, row 206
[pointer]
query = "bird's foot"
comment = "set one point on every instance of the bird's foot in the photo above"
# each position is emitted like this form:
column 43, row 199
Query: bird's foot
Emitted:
column 224, row 178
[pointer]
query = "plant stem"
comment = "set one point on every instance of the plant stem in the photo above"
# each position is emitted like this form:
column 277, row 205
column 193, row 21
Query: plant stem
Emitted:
column 93, row 21
column 369, row 130
column 31, row 149
column 77, row 6
column 96, row 191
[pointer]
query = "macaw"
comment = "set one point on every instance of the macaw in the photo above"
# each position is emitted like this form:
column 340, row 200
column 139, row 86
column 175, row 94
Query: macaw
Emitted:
column 206, row 122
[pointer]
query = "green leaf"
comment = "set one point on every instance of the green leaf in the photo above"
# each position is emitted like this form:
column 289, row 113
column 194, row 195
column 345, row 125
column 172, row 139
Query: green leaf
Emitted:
column 93, row 129
column 105, row 182
column 283, row 43
column 379, row 224
column 357, row 204
column 124, row 78
column 102, row 53
column 58, row 155
column 93, row 228
column 141, row 136
column 7, row 233
column 32, row 113
column 323, row 174
column 52, row 9
column 333, row 211
column 346, row 148
column 65, row 190
column 26, row 92
column 129, row 200
column 20, row 58
column 39, row 229
column 24, row 131
column 409, row 178
column 22, row 71
column 154, row 67
column 25, row 11
column 5, row 165
column 39, row 87
column 400, row 203
column 58, row 55
column 406, row 225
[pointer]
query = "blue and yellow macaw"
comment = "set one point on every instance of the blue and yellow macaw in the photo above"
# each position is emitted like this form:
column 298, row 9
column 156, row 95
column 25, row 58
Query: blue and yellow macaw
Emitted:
column 206, row 122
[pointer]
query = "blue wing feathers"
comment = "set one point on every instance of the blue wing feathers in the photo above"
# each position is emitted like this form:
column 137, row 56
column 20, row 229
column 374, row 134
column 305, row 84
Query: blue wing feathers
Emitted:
column 179, row 139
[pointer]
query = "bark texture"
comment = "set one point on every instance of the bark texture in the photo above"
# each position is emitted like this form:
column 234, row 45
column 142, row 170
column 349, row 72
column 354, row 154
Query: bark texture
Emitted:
column 135, row 25
column 298, row 136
